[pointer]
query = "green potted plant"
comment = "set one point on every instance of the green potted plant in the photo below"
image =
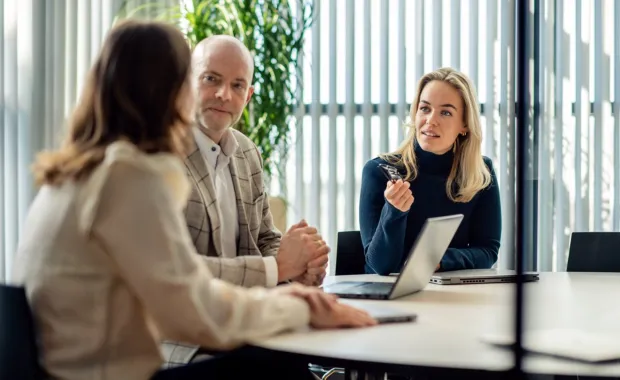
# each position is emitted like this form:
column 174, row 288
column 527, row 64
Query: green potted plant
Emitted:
column 273, row 31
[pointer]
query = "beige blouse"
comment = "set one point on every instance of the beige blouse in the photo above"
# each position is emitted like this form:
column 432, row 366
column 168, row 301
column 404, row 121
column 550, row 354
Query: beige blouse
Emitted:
column 110, row 270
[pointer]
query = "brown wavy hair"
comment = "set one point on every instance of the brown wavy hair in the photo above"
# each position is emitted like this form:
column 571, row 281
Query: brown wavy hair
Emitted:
column 130, row 94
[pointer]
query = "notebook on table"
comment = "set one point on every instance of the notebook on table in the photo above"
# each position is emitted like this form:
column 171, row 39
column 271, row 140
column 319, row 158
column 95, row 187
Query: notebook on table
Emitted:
column 575, row 344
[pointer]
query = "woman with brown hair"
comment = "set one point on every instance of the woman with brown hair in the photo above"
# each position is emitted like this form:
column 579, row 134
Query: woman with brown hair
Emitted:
column 106, row 259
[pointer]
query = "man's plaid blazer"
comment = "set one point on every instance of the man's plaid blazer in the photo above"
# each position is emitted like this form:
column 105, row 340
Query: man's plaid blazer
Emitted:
column 257, row 235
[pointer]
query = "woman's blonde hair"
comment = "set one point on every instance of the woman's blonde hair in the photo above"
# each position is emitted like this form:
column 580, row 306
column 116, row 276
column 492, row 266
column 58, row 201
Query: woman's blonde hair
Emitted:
column 130, row 94
column 469, row 173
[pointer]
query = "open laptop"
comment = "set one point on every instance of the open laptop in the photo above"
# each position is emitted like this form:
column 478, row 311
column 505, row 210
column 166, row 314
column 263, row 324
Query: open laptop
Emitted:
column 480, row 276
column 426, row 252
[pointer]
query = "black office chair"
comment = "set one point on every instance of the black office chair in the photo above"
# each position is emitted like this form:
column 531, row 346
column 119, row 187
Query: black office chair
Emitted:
column 350, row 257
column 594, row 252
column 19, row 356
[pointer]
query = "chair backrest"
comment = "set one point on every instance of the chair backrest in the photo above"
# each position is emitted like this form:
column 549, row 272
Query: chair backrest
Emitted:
column 594, row 252
column 19, row 356
column 350, row 257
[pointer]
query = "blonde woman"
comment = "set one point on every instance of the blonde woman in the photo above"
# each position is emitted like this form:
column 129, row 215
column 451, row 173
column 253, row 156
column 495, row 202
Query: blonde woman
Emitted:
column 443, row 172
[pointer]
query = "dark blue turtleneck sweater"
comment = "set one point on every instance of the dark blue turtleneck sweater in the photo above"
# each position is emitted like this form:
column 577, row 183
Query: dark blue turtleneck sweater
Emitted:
column 388, row 234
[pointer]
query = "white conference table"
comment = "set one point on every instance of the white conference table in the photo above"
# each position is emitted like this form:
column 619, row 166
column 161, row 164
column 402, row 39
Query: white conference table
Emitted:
column 452, row 319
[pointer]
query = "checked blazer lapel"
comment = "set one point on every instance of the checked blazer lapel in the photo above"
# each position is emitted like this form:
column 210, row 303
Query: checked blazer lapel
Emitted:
column 238, row 172
column 202, row 176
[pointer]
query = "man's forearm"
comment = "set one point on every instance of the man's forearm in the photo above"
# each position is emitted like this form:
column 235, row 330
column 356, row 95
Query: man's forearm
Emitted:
column 246, row 271
column 269, row 246
column 269, row 243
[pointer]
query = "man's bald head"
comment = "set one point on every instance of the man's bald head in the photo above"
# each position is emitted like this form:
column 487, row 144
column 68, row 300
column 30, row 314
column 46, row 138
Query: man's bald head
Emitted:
column 222, row 44
column 223, row 68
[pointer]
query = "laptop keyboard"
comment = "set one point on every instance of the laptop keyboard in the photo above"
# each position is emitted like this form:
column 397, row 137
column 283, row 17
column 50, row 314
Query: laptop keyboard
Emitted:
column 375, row 287
column 369, row 288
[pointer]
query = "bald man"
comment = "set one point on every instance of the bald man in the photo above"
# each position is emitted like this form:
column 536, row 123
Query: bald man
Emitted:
column 228, row 211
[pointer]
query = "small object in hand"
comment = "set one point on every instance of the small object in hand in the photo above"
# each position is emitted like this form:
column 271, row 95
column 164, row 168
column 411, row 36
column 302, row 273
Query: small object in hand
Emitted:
column 390, row 172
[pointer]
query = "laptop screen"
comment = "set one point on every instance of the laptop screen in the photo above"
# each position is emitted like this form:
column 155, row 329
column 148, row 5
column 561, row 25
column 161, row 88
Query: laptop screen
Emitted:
column 425, row 254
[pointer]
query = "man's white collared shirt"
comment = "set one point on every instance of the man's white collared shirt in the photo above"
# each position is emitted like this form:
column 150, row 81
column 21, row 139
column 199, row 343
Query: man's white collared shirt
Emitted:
column 217, row 158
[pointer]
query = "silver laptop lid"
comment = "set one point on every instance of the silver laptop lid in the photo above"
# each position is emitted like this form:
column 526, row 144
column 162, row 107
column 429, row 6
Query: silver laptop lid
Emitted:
column 425, row 254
